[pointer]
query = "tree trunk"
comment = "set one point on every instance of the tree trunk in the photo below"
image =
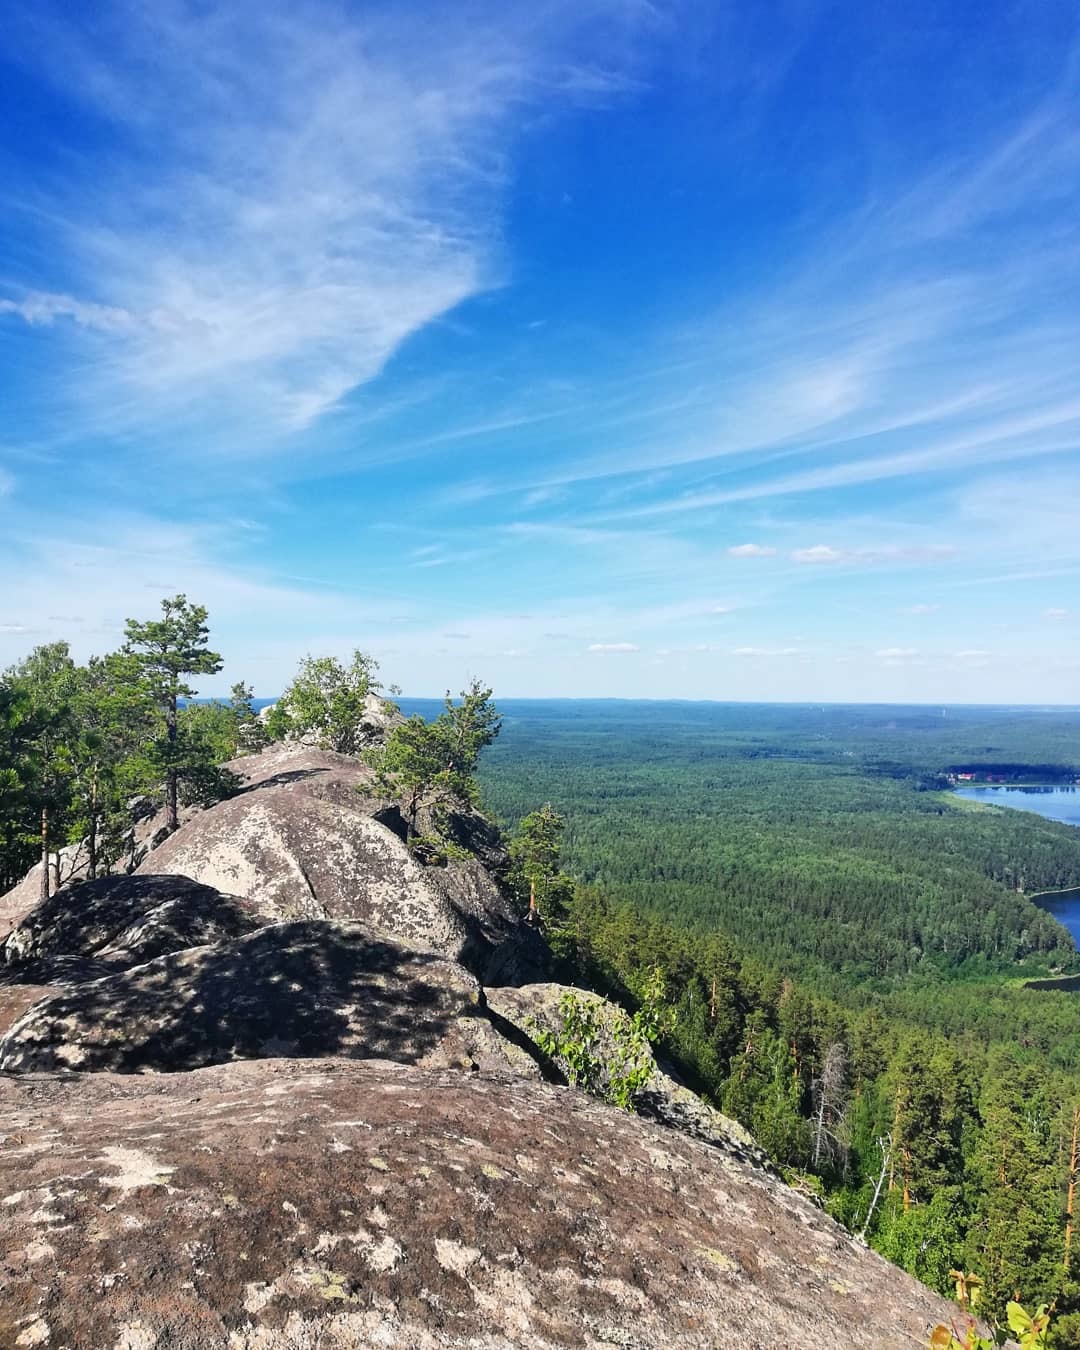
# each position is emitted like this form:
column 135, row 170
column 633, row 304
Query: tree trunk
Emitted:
column 1070, row 1201
column 44, row 853
column 885, row 1143
column 91, row 838
column 819, row 1127
column 172, row 808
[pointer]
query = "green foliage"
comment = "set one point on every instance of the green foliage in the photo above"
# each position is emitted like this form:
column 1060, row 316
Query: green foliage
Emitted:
column 326, row 701
column 410, row 764
column 113, row 719
column 1031, row 1330
column 251, row 735
column 779, row 828
column 436, row 850
column 162, row 653
column 602, row 1049
column 926, row 1240
column 77, row 742
column 465, row 729
column 1015, row 1235
column 535, row 873
column 165, row 650
column 215, row 732
column 22, row 726
column 211, row 730
column 435, row 762
column 48, row 677
column 764, row 1090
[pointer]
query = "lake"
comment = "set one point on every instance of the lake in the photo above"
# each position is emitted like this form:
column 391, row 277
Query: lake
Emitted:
column 1055, row 803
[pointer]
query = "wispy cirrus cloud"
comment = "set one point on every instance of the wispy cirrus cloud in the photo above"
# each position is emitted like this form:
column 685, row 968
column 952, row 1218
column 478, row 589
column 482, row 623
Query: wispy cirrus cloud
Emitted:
column 332, row 186
column 42, row 308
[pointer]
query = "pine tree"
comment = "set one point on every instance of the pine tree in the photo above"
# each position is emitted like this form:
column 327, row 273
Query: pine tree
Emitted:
column 48, row 676
column 535, row 854
column 21, row 725
column 927, row 1123
column 436, row 761
column 1015, row 1239
column 164, row 651
column 112, row 719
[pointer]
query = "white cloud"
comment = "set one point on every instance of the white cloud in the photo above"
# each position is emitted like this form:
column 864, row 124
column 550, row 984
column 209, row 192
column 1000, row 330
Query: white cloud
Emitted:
column 612, row 647
column 897, row 653
column 766, row 651
column 332, row 186
column 95, row 576
column 919, row 609
column 40, row 308
column 820, row 553
column 751, row 551
column 825, row 553
column 1055, row 613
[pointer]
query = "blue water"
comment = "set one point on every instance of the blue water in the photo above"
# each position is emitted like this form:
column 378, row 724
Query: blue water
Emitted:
column 1055, row 803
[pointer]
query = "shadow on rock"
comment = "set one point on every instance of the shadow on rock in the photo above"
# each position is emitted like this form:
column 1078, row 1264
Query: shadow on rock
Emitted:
column 102, row 927
column 305, row 988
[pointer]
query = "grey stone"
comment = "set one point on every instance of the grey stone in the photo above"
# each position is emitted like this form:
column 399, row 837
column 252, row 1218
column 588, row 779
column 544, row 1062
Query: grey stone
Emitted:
column 663, row 1098
column 331, row 1204
column 103, row 926
column 309, row 836
column 305, row 988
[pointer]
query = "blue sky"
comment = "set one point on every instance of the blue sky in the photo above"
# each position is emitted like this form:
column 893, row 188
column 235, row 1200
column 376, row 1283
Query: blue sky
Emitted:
column 613, row 347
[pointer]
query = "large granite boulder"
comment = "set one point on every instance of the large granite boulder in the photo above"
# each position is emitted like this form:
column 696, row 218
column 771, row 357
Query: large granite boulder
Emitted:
column 306, row 988
column 257, row 1206
column 104, row 926
column 662, row 1097
column 309, row 837
column 68, row 864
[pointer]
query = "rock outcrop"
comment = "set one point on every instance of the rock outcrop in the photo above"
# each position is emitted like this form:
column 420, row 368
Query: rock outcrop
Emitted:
column 663, row 1097
column 285, row 1203
column 67, row 865
column 255, row 1097
column 308, row 837
column 105, row 926
column 306, row 988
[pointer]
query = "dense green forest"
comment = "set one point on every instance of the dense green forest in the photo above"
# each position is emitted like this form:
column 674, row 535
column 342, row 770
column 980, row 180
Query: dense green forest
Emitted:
column 845, row 947
column 836, row 866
